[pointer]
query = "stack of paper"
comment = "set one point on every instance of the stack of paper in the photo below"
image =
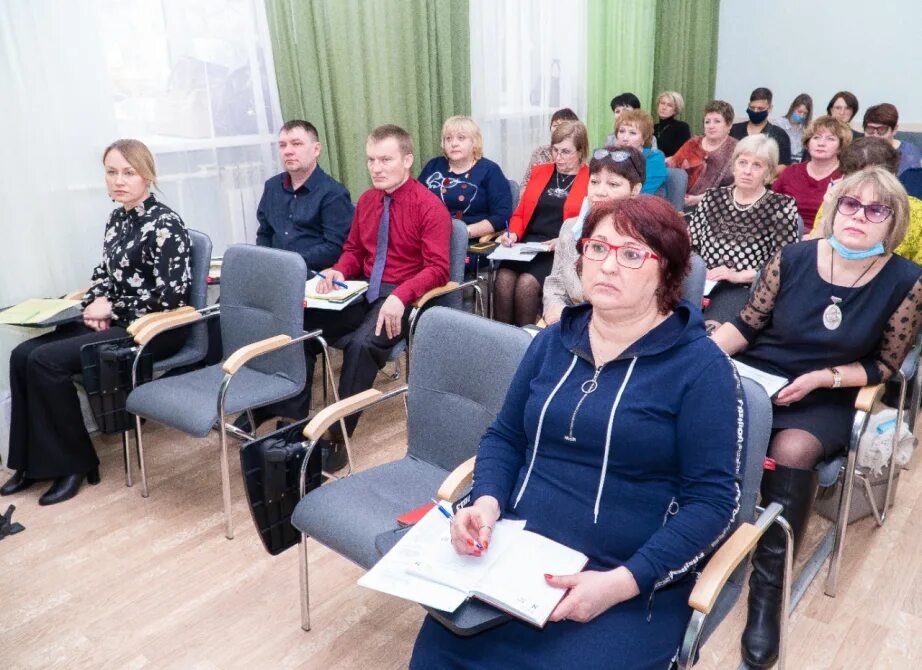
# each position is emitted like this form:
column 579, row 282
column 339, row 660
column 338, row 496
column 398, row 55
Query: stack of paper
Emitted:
column 337, row 299
column 525, row 251
column 35, row 311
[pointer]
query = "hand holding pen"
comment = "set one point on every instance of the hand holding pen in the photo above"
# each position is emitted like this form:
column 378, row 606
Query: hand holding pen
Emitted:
column 329, row 279
column 472, row 527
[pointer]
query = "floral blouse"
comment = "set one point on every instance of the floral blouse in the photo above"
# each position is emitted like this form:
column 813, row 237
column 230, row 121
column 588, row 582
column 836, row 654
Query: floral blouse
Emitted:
column 145, row 262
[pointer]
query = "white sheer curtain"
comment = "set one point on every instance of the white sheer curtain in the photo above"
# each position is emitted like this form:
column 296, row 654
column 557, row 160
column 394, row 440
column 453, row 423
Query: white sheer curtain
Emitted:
column 528, row 59
column 193, row 80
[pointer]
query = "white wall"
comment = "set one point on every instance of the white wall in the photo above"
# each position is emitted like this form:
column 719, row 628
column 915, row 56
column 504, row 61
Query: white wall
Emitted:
column 872, row 49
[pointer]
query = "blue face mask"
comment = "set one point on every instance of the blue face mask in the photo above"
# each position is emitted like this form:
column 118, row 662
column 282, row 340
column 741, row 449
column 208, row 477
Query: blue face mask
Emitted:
column 757, row 117
column 798, row 118
column 850, row 255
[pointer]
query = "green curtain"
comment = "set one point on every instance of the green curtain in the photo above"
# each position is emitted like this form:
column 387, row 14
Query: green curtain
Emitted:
column 686, row 54
column 620, row 55
column 351, row 65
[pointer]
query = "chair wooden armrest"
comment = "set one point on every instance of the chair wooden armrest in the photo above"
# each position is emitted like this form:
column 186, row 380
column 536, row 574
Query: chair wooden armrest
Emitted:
column 435, row 293
column 722, row 564
column 456, row 482
column 867, row 396
column 244, row 354
column 75, row 295
column 139, row 323
column 154, row 327
column 541, row 323
column 490, row 237
column 331, row 414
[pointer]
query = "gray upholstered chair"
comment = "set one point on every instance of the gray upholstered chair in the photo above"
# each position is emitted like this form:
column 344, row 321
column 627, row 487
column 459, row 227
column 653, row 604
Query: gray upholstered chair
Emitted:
column 261, row 315
column 451, row 398
column 675, row 187
column 516, row 192
column 693, row 285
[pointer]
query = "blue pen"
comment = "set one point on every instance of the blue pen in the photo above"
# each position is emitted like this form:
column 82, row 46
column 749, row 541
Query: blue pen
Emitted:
column 336, row 282
column 448, row 515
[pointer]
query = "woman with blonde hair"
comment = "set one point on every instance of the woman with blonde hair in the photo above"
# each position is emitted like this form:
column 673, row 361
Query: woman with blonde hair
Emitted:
column 829, row 315
column 145, row 268
column 473, row 188
column 670, row 133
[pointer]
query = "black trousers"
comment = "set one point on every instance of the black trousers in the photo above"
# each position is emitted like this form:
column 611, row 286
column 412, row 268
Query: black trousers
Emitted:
column 364, row 353
column 47, row 436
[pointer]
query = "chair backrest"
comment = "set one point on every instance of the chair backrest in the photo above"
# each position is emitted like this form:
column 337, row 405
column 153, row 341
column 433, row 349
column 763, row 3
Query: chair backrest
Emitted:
column 516, row 189
column 758, row 432
column 693, row 286
column 800, row 227
column 462, row 367
column 262, row 295
column 675, row 187
column 457, row 255
column 911, row 180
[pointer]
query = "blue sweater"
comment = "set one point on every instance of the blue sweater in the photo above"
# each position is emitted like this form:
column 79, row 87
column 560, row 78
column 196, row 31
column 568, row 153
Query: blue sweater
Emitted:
column 656, row 171
column 480, row 193
column 664, row 426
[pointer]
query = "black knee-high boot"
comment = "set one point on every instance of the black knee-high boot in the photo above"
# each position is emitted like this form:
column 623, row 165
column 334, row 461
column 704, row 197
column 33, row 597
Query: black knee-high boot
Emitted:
column 794, row 489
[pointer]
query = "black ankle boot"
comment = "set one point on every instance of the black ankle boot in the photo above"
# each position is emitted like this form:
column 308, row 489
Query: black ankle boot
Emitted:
column 65, row 488
column 16, row 483
column 793, row 489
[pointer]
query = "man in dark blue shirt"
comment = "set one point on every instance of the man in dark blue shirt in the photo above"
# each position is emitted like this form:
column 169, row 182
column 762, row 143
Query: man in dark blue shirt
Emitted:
column 304, row 209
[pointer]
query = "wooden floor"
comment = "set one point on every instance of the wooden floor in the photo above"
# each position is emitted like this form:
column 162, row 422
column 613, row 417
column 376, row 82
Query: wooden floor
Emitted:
column 113, row 580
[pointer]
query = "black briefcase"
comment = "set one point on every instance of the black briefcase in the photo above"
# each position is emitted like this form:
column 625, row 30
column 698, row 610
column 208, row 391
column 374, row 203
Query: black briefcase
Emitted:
column 107, row 380
column 271, row 467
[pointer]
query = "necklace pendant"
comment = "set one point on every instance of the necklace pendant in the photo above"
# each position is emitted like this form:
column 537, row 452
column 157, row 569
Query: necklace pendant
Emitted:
column 557, row 193
column 832, row 316
column 569, row 438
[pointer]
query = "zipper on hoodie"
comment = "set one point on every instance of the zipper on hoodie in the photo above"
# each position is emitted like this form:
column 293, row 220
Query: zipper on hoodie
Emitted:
column 587, row 387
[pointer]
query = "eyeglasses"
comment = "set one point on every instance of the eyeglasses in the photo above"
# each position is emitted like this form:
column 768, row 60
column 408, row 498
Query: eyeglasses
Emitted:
column 877, row 130
column 627, row 257
column 618, row 156
column 873, row 211
column 562, row 152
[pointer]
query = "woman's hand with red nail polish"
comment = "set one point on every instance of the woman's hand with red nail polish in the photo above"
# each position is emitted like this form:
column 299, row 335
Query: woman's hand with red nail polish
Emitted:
column 472, row 526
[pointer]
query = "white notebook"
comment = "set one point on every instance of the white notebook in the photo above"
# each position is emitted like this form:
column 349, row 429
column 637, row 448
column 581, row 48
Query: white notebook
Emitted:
column 518, row 252
column 424, row 567
column 771, row 383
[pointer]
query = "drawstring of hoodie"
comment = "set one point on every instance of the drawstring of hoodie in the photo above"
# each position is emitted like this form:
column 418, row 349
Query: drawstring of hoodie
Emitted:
column 534, row 452
column 611, row 421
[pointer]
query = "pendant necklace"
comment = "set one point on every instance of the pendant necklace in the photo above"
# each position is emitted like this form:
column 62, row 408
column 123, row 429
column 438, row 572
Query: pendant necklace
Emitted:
column 746, row 208
column 832, row 315
column 561, row 192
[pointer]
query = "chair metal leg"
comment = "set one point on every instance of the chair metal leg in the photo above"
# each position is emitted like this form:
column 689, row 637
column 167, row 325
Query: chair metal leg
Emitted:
column 140, row 446
column 225, row 470
column 785, row 590
column 845, row 502
column 305, row 595
column 127, row 453
column 897, row 434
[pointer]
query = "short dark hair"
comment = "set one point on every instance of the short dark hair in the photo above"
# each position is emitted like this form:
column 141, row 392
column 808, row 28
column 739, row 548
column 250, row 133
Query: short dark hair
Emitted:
column 761, row 93
column 656, row 223
column 565, row 114
column 722, row 107
column 885, row 114
column 625, row 100
column 306, row 126
column 390, row 130
column 848, row 97
column 868, row 151
column 633, row 168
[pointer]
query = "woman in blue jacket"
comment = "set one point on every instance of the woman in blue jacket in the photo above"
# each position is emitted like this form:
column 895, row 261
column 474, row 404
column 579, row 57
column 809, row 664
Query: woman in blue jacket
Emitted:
column 620, row 437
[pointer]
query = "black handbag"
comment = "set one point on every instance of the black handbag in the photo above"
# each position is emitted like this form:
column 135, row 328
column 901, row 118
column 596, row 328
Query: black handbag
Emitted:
column 107, row 380
column 271, row 468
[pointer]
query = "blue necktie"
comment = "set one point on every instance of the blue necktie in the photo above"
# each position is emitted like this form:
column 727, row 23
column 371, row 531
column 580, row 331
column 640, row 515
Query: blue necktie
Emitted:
column 377, row 270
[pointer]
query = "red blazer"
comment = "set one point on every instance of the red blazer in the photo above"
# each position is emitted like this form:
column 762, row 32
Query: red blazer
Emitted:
column 540, row 174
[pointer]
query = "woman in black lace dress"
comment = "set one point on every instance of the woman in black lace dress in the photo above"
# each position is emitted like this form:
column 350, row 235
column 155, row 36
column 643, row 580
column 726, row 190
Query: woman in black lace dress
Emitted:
column 145, row 268
column 831, row 315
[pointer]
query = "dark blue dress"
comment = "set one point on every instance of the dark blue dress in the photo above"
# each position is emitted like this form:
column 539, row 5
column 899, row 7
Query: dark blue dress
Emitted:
column 783, row 323
column 656, row 497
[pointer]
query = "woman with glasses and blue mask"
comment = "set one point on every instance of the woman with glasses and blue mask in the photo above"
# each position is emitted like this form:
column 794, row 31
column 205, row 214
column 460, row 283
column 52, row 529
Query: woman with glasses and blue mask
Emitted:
column 554, row 192
column 737, row 229
column 614, row 174
column 830, row 315
column 793, row 123
column 620, row 437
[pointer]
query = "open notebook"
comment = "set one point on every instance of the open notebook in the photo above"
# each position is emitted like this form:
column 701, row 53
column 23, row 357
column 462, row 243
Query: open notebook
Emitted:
column 36, row 310
column 424, row 567
column 771, row 383
column 337, row 299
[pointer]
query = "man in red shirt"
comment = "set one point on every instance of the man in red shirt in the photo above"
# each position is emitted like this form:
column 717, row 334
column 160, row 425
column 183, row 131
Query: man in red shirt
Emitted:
column 399, row 243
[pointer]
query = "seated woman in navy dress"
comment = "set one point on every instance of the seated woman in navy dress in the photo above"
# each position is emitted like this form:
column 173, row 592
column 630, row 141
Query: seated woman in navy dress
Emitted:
column 473, row 188
column 145, row 268
column 831, row 315
column 619, row 437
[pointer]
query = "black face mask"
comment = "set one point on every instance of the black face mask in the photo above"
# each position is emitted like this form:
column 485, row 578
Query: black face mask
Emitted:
column 757, row 117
